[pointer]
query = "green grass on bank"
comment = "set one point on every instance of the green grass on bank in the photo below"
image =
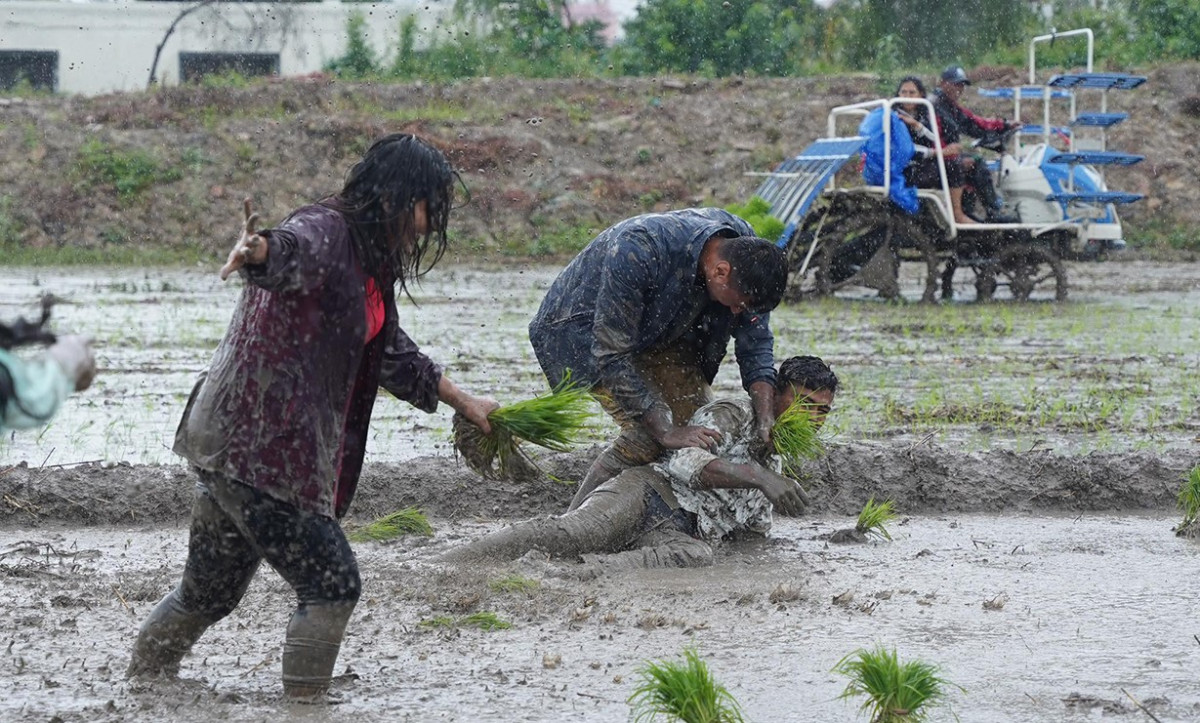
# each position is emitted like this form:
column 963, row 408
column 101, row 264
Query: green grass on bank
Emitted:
column 107, row 255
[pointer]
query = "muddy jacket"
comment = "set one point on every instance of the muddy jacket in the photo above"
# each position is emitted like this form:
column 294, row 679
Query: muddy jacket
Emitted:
column 955, row 121
column 285, row 404
column 721, row 512
column 637, row 286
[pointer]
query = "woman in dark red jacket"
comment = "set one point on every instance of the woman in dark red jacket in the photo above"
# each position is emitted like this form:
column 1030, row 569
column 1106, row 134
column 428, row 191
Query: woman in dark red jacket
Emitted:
column 277, row 426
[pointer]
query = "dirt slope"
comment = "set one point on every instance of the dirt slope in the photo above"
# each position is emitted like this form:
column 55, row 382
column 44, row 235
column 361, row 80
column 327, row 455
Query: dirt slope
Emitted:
column 536, row 154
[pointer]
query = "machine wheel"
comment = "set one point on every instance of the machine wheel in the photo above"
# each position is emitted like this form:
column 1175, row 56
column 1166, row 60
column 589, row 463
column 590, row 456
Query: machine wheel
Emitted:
column 1022, row 267
column 849, row 230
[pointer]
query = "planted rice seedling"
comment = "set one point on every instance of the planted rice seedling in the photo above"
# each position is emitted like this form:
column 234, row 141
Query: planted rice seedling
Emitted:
column 408, row 521
column 554, row 421
column 513, row 583
column 1189, row 503
column 682, row 691
column 795, row 437
column 895, row 692
column 874, row 518
column 483, row 620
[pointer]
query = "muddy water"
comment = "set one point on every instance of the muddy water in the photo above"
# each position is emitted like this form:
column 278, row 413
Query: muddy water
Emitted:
column 1081, row 609
column 1117, row 367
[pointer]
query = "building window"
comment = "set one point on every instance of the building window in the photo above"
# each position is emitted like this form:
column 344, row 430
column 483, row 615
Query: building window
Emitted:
column 38, row 68
column 194, row 66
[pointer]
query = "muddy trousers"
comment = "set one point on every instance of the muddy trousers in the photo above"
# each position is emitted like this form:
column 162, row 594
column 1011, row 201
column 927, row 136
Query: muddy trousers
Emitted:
column 674, row 375
column 617, row 516
column 234, row 527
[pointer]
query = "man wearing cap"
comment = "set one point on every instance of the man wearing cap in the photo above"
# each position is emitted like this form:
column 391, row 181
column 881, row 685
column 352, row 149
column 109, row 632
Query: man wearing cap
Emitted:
column 955, row 121
column 644, row 315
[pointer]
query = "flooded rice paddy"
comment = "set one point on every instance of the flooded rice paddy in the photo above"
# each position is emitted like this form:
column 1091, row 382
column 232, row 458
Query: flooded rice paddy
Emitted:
column 1116, row 367
column 1033, row 450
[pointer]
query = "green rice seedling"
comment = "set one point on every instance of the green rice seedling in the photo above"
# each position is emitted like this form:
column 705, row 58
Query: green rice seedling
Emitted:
column 513, row 583
column 554, row 421
column 895, row 692
column 795, row 437
column 874, row 518
column 408, row 521
column 483, row 620
column 682, row 691
column 1189, row 499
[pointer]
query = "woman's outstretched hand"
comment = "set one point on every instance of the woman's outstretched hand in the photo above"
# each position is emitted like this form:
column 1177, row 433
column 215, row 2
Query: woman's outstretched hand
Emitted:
column 251, row 248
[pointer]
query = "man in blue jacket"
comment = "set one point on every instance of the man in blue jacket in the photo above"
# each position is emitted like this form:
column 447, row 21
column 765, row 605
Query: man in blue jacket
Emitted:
column 644, row 315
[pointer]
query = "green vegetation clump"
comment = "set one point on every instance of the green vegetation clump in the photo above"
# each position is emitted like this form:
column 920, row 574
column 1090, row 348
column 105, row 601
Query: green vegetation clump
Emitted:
column 895, row 692
column 874, row 518
column 408, row 521
column 757, row 213
column 1189, row 499
column 554, row 421
column 513, row 583
column 128, row 172
column 682, row 691
column 795, row 436
column 487, row 621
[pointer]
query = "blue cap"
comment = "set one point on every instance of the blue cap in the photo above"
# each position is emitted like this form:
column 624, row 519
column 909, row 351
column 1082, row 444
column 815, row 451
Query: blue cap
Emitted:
column 955, row 74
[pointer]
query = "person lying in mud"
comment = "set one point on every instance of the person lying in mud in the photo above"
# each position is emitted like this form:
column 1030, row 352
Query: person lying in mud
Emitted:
column 277, row 427
column 672, row 513
column 32, row 389
column 644, row 315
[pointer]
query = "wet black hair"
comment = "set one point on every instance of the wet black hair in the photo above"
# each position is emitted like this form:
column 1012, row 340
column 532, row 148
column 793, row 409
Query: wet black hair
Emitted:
column 915, row 81
column 921, row 112
column 806, row 372
column 759, row 270
column 381, row 191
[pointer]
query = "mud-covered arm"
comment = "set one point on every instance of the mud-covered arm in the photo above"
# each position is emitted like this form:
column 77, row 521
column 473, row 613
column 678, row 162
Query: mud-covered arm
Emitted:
column 31, row 391
column 408, row 374
column 732, row 466
column 301, row 252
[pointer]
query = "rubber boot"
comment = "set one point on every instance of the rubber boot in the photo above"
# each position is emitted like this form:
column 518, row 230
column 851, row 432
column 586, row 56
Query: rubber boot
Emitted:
column 314, row 637
column 166, row 636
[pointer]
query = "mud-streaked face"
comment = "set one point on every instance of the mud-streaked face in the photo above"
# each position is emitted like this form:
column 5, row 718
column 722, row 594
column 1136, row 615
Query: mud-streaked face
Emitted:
column 819, row 402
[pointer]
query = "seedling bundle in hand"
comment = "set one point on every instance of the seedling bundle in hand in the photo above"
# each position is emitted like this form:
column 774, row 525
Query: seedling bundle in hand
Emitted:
column 795, row 436
column 555, row 421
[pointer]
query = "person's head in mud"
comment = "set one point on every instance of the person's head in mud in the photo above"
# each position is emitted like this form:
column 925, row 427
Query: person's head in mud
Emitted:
column 397, row 201
column 910, row 86
column 745, row 273
column 809, row 380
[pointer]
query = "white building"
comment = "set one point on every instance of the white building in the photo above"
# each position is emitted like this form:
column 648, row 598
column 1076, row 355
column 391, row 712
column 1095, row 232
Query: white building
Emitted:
column 100, row 47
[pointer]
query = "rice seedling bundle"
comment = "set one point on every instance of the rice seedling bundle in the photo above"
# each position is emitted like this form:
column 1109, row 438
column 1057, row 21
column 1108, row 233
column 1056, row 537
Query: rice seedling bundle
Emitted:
column 554, row 421
column 408, row 521
column 795, row 436
column 895, row 692
column 874, row 518
column 1189, row 498
column 683, row 691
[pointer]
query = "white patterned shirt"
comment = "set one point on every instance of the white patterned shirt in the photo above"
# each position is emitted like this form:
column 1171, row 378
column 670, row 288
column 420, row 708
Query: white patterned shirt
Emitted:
column 720, row 512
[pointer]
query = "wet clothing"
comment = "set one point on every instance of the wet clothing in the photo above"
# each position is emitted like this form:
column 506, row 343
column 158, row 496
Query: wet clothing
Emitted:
column 31, row 391
column 286, row 401
column 635, row 287
column 277, row 429
column 955, row 121
column 654, row 515
column 721, row 512
column 922, row 171
column 234, row 527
